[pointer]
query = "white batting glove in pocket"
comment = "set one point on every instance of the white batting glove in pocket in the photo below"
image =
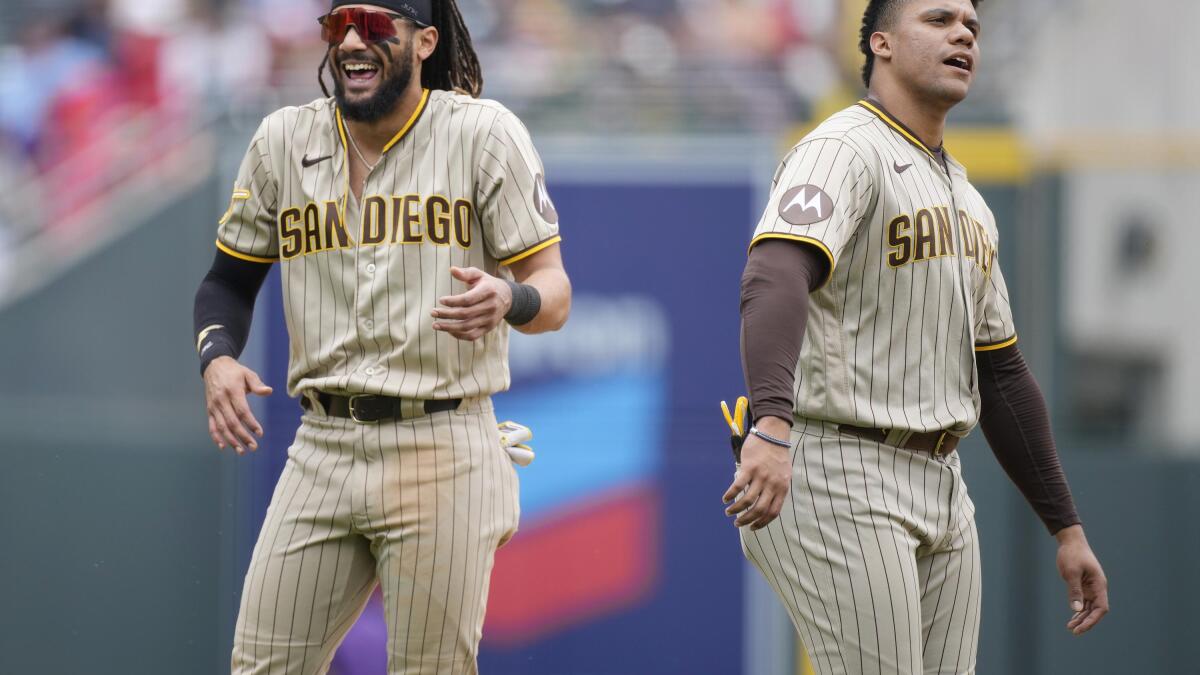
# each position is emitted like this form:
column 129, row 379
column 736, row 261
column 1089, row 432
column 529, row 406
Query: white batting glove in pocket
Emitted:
column 512, row 439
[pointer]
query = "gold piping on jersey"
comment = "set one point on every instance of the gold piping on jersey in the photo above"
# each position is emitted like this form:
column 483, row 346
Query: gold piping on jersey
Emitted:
column 800, row 238
column 238, row 194
column 244, row 256
column 895, row 124
column 411, row 121
column 341, row 126
column 996, row 345
column 531, row 250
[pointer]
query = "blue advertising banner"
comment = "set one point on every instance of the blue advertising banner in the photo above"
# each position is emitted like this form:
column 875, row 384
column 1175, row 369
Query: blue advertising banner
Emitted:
column 624, row 562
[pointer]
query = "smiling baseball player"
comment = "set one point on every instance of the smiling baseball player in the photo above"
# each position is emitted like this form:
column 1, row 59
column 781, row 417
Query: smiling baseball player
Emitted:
column 876, row 333
column 412, row 225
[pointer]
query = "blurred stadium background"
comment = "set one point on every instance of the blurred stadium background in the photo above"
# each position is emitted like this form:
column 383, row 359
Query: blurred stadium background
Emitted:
column 124, row 534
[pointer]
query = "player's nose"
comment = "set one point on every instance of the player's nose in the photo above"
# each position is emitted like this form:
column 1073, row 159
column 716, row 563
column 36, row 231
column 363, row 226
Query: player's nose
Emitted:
column 961, row 35
column 352, row 42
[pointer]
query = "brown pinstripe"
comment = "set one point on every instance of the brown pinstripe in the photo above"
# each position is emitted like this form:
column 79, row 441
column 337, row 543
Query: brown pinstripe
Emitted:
column 875, row 553
column 419, row 505
column 875, row 556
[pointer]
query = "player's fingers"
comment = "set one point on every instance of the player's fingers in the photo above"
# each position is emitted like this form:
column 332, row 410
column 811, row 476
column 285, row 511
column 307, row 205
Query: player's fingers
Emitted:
column 241, row 436
column 1089, row 620
column 1074, row 579
column 764, row 510
column 1077, row 617
column 242, row 409
column 471, row 297
column 749, row 496
column 770, row 513
column 740, row 480
column 750, row 516
column 467, row 330
column 1095, row 603
column 467, row 274
column 212, row 432
column 224, row 433
column 459, row 313
column 255, row 385
column 454, row 328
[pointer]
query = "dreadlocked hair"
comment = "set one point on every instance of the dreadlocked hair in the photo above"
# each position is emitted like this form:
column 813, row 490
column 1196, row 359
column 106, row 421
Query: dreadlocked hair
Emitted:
column 321, row 74
column 879, row 16
column 453, row 65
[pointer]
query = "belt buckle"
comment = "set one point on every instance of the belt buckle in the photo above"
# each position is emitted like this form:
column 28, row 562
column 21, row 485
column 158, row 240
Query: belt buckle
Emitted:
column 354, row 413
column 937, row 447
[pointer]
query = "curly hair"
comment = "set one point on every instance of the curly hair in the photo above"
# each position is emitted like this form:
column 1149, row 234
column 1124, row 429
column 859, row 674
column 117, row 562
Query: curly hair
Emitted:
column 878, row 16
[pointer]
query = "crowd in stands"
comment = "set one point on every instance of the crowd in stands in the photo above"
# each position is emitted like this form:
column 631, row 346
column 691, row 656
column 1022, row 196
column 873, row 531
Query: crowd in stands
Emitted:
column 83, row 81
column 662, row 65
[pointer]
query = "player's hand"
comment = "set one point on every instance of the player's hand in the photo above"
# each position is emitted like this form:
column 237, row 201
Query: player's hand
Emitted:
column 230, row 421
column 762, row 480
column 471, row 315
column 1087, row 588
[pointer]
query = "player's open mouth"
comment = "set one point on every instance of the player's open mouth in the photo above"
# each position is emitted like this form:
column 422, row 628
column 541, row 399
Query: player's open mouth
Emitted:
column 962, row 63
column 360, row 71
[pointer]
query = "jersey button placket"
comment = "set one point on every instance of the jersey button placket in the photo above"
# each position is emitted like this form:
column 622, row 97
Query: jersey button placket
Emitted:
column 366, row 304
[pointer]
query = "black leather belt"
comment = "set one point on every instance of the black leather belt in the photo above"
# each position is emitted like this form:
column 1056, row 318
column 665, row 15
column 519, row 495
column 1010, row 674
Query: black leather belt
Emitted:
column 372, row 408
column 936, row 443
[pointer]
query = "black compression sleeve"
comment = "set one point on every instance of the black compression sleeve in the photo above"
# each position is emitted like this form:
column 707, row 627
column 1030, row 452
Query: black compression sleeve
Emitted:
column 1017, row 426
column 225, row 305
column 776, row 283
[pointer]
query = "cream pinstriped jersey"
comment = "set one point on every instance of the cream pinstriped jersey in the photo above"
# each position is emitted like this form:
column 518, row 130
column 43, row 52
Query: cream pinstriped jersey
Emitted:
column 915, row 287
column 460, row 185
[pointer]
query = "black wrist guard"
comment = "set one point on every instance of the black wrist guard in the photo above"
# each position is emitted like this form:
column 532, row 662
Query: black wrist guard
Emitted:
column 215, row 343
column 526, row 303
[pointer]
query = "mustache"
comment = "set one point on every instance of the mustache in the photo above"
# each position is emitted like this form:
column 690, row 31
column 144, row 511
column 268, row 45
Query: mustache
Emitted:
column 358, row 55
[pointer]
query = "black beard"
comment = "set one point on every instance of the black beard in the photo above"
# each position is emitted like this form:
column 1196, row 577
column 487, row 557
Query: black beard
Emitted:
column 385, row 98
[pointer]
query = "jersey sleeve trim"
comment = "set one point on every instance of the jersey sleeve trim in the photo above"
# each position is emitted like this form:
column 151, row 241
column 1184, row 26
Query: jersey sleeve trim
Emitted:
column 820, row 245
column 993, row 346
column 531, row 250
column 244, row 256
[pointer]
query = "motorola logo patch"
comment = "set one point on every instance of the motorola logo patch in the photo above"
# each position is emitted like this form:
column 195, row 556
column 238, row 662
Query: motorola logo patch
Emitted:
column 541, row 201
column 805, row 205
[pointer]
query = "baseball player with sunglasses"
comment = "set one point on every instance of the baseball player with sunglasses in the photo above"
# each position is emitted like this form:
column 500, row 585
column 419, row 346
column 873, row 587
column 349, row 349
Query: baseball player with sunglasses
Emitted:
column 412, row 225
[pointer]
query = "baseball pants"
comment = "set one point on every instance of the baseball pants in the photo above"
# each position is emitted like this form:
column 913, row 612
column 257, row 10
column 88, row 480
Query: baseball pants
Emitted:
column 875, row 556
column 419, row 506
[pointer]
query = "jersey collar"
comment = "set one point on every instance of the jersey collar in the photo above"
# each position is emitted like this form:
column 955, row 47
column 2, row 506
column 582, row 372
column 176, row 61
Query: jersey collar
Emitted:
column 412, row 120
column 877, row 108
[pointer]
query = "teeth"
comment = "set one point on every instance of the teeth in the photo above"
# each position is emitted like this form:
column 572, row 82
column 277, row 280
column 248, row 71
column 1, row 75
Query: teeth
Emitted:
column 351, row 67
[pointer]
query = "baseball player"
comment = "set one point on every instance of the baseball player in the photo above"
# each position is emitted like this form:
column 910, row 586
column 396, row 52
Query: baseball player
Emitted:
column 412, row 226
column 876, row 333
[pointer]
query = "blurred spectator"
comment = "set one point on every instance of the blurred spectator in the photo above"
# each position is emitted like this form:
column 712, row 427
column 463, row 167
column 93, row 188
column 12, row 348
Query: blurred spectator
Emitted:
column 88, row 94
column 44, row 63
column 213, row 60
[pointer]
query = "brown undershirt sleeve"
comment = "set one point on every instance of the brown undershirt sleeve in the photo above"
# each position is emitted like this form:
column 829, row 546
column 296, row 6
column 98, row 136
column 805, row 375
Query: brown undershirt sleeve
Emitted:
column 778, row 277
column 1017, row 426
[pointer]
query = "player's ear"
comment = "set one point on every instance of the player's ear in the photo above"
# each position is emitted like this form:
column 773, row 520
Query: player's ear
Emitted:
column 881, row 45
column 427, row 39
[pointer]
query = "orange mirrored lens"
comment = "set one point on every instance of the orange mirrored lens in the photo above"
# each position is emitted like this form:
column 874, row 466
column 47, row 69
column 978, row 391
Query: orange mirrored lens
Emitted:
column 372, row 26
